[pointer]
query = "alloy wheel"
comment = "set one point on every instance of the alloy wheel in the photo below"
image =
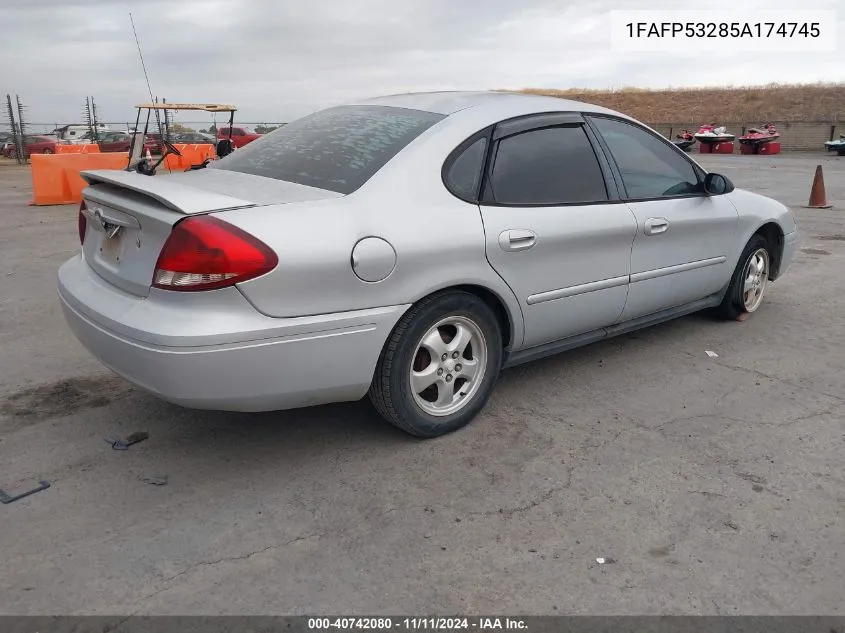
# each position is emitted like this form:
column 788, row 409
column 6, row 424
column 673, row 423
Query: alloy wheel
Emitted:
column 448, row 366
column 755, row 278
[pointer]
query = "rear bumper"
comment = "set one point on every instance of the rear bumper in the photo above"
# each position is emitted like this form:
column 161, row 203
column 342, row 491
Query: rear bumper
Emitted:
column 215, row 351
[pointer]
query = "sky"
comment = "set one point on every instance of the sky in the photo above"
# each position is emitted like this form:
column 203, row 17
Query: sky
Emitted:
column 278, row 60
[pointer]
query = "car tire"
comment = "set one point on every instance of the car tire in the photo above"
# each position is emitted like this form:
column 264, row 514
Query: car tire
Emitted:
column 738, row 299
column 444, row 323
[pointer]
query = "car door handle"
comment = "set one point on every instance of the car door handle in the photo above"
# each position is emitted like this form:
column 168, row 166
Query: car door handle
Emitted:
column 517, row 239
column 655, row 226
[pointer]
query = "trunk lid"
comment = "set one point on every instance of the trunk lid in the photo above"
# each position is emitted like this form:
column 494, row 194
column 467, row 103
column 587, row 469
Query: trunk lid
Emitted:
column 129, row 216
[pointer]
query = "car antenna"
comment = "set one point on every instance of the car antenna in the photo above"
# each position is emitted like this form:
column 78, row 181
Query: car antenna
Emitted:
column 141, row 56
column 149, row 88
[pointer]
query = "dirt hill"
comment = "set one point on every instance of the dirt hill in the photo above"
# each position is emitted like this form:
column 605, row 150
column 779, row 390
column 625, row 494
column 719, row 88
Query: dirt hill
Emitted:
column 773, row 102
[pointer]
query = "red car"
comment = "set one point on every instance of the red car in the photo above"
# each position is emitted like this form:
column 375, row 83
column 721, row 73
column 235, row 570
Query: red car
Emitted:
column 155, row 143
column 240, row 136
column 120, row 142
column 35, row 145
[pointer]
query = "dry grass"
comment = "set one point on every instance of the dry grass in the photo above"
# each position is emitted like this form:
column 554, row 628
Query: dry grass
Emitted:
column 752, row 104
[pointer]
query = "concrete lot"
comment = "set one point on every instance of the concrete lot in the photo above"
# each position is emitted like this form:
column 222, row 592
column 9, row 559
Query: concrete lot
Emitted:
column 716, row 485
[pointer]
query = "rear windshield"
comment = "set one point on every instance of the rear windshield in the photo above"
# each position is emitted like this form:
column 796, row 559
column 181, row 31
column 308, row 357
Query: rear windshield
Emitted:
column 338, row 149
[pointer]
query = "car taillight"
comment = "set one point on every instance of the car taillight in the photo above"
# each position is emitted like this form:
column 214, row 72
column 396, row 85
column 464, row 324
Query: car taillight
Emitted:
column 82, row 223
column 203, row 253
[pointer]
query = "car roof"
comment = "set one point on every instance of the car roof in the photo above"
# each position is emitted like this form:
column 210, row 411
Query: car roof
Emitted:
column 448, row 102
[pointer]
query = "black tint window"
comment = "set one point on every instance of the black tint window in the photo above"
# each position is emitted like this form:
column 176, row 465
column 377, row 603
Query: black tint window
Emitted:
column 549, row 166
column 649, row 167
column 464, row 174
column 338, row 149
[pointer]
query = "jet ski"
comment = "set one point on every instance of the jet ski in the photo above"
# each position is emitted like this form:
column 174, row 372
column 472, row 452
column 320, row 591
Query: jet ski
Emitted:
column 837, row 146
column 684, row 140
column 758, row 136
column 711, row 134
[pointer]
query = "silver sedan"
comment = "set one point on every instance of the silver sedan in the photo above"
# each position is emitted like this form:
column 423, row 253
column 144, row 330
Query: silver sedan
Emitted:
column 408, row 247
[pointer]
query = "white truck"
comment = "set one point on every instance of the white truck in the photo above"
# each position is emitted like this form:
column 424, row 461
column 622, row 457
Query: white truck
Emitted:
column 76, row 133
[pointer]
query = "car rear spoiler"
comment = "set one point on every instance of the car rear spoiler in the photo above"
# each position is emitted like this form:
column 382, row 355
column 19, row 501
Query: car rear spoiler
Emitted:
column 179, row 197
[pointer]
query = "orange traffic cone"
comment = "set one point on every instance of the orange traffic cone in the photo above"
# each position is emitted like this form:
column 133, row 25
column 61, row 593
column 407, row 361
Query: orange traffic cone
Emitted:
column 818, row 198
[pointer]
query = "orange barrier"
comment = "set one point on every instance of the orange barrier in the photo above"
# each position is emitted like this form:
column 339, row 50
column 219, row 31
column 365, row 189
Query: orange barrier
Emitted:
column 56, row 179
column 191, row 155
column 78, row 148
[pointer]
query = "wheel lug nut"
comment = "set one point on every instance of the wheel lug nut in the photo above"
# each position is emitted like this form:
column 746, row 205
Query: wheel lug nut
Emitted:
column 440, row 372
column 448, row 377
column 444, row 357
column 454, row 354
column 458, row 367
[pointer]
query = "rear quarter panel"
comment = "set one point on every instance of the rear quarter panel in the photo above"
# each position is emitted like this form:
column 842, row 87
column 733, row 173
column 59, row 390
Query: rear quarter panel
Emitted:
column 438, row 239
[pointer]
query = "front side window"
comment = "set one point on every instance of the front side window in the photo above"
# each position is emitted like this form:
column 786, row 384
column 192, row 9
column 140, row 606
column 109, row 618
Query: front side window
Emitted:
column 549, row 166
column 338, row 149
column 649, row 167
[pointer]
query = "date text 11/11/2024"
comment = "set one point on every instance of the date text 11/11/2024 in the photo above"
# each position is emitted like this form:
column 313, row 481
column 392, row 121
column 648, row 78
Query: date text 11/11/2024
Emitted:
column 417, row 624
column 723, row 29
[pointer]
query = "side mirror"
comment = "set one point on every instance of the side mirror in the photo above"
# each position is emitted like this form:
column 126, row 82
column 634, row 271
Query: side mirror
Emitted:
column 717, row 184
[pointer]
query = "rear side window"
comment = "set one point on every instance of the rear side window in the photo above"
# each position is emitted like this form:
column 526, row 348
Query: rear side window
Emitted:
column 338, row 149
column 464, row 174
column 549, row 166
